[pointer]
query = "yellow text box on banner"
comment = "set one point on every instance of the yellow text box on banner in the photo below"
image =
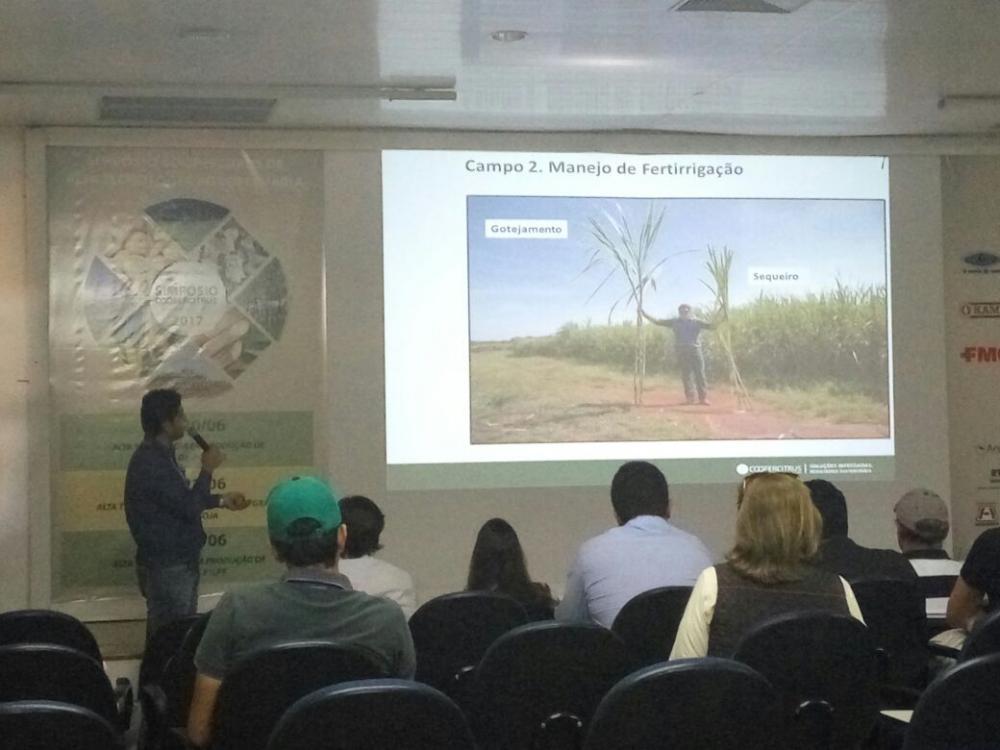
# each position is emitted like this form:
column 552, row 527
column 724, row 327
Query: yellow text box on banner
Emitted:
column 94, row 500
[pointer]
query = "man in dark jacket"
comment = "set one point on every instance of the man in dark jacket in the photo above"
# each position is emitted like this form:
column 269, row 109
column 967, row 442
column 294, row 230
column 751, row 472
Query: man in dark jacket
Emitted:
column 840, row 554
column 163, row 510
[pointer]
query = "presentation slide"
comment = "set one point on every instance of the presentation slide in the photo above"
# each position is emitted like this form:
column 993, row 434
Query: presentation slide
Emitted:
column 550, row 315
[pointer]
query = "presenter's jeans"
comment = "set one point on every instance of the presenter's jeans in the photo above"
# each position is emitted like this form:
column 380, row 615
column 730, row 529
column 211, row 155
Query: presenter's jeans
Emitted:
column 171, row 592
column 692, row 366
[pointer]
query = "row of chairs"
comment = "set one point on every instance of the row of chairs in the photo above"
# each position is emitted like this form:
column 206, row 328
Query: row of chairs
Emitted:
column 686, row 705
column 172, row 664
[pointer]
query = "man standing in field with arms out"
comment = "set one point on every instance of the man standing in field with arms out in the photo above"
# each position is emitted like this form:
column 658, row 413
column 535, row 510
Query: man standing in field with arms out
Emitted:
column 687, row 345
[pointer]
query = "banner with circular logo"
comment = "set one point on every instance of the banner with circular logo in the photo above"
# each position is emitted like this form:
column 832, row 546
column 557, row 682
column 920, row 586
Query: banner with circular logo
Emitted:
column 194, row 269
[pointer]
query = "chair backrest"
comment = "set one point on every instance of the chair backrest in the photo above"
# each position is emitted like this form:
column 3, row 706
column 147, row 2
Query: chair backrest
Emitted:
column 543, row 680
column 896, row 616
column 50, row 725
column 382, row 714
column 452, row 632
column 32, row 672
column 936, row 587
column 961, row 709
column 177, row 679
column 984, row 638
column 648, row 622
column 165, row 642
column 690, row 704
column 825, row 670
column 260, row 688
column 47, row 626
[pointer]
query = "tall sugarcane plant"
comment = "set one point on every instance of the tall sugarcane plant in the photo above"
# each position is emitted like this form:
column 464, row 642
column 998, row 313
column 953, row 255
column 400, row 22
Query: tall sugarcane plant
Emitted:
column 719, row 265
column 630, row 255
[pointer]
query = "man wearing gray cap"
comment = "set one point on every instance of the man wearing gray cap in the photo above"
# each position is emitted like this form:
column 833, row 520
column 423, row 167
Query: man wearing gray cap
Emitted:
column 921, row 528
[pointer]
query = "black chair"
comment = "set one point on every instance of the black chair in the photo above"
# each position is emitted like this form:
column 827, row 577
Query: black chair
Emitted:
column 177, row 680
column 31, row 672
column 47, row 626
column 896, row 616
column 260, row 688
column 539, row 684
column 690, row 704
column 373, row 715
column 961, row 709
column 825, row 670
column 452, row 632
column 648, row 622
column 50, row 725
column 166, row 701
column 165, row 643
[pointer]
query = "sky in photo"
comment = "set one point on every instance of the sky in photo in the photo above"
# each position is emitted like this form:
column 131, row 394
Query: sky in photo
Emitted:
column 531, row 287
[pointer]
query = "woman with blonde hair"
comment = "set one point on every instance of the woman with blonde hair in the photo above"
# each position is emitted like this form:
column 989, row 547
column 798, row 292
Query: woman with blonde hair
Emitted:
column 768, row 572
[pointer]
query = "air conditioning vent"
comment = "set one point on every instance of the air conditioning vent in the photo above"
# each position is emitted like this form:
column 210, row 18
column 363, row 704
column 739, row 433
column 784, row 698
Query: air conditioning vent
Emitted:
column 230, row 110
column 741, row 6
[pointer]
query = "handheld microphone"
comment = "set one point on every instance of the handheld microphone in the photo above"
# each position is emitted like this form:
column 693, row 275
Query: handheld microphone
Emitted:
column 196, row 436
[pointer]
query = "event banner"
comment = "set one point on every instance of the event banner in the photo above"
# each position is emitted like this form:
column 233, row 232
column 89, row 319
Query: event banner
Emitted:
column 194, row 269
column 972, row 257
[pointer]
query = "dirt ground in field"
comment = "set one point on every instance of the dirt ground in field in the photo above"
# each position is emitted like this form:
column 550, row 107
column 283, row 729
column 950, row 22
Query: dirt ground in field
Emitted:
column 538, row 399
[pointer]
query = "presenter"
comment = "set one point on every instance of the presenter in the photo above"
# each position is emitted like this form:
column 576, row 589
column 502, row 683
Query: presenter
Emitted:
column 687, row 345
column 163, row 510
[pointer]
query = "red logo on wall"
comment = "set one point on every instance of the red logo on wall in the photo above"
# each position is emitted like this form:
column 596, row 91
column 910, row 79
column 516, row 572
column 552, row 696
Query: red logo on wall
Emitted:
column 981, row 354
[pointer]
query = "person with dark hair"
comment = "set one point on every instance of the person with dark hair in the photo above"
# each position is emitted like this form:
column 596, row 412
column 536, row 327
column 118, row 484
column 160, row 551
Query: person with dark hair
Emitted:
column 839, row 553
column 977, row 589
column 644, row 552
column 498, row 565
column 311, row 601
column 365, row 521
column 163, row 510
column 687, row 346
column 768, row 572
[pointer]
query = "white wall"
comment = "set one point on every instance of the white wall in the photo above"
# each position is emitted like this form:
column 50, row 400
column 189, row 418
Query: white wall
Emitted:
column 432, row 533
column 13, row 375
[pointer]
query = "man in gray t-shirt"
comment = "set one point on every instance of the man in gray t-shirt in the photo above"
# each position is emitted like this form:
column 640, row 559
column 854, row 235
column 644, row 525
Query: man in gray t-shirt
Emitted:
column 311, row 601
column 687, row 345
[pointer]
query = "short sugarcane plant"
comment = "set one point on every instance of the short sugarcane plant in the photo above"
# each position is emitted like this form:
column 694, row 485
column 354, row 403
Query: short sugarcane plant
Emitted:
column 719, row 265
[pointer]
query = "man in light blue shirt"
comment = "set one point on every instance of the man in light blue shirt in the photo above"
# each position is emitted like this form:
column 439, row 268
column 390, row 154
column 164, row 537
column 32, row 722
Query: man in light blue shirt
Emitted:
column 644, row 552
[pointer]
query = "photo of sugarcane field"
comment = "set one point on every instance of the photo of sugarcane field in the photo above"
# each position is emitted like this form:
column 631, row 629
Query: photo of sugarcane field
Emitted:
column 634, row 319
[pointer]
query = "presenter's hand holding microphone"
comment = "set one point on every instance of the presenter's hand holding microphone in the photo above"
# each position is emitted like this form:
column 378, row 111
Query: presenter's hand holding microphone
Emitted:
column 211, row 459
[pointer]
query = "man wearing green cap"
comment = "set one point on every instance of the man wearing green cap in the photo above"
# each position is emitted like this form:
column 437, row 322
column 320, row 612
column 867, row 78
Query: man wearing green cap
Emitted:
column 311, row 601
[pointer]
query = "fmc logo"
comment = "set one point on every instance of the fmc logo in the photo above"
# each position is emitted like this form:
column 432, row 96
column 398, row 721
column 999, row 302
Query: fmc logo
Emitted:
column 981, row 354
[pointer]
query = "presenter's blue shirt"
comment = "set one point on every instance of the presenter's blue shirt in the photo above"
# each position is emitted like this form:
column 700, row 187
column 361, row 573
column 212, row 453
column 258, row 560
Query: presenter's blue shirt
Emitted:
column 686, row 330
column 163, row 508
column 610, row 569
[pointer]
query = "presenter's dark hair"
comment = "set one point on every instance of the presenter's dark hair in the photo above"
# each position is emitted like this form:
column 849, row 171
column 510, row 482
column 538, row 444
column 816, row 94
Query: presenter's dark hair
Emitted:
column 498, row 563
column 832, row 506
column 306, row 547
column 365, row 522
column 158, row 406
column 639, row 489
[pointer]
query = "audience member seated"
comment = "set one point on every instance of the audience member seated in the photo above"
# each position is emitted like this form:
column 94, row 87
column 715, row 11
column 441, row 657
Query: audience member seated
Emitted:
column 644, row 552
column 365, row 522
column 921, row 528
column 840, row 554
column 311, row 601
column 498, row 565
column 977, row 589
column 768, row 572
